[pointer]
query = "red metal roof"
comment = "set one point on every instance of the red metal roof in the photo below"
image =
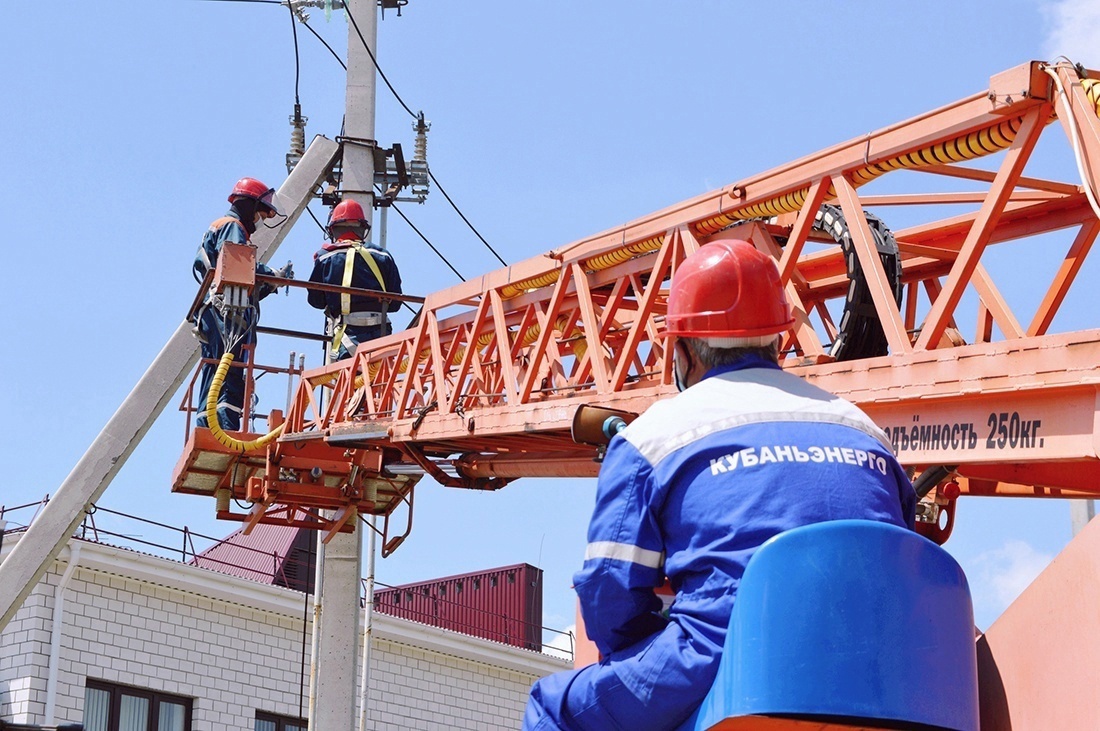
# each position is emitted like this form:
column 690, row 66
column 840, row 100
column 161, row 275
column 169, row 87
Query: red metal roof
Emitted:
column 502, row 604
column 270, row 554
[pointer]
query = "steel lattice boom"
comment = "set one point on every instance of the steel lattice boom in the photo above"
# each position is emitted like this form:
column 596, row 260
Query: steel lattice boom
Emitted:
column 484, row 388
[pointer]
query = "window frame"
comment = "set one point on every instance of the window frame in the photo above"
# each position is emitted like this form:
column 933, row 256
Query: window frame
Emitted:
column 280, row 721
column 155, row 697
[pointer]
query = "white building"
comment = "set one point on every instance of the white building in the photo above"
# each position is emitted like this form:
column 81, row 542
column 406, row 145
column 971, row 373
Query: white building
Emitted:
column 122, row 640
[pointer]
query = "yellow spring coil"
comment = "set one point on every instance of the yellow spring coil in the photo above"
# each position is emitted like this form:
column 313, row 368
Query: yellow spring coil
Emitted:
column 974, row 145
column 594, row 264
column 212, row 414
column 967, row 147
column 518, row 288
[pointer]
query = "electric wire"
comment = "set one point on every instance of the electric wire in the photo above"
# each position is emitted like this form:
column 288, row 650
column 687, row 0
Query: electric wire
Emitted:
column 297, row 58
column 429, row 243
column 370, row 53
column 237, row 323
column 366, row 47
column 397, row 96
column 305, row 624
column 466, row 220
column 316, row 221
column 326, row 45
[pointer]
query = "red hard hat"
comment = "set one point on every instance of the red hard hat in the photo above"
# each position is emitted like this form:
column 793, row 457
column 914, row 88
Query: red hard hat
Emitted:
column 347, row 211
column 727, row 289
column 254, row 189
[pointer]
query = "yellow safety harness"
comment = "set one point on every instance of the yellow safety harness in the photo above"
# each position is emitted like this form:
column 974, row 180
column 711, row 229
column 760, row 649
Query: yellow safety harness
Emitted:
column 345, row 299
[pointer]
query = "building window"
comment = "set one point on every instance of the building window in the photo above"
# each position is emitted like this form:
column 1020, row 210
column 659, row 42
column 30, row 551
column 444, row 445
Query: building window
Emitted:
column 110, row 707
column 272, row 722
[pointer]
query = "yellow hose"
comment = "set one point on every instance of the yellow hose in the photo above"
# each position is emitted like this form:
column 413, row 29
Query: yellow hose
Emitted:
column 518, row 288
column 212, row 414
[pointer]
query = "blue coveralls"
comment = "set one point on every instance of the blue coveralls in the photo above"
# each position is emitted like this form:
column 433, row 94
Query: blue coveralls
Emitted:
column 353, row 320
column 690, row 490
column 231, row 399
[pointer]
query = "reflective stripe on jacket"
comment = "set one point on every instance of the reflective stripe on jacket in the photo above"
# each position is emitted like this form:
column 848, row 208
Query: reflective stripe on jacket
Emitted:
column 697, row 483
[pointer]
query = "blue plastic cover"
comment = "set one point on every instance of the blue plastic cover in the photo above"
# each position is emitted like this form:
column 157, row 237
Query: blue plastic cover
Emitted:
column 850, row 618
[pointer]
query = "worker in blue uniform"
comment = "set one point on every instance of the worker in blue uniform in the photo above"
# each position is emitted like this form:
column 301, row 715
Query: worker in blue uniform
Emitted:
column 349, row 260
column 250, row 202
column 694, row 486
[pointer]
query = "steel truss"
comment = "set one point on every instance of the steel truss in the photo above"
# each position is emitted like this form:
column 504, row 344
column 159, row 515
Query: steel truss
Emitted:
column 484, row 388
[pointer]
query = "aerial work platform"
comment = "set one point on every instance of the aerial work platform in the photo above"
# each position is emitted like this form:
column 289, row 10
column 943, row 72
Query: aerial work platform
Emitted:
column 304, row 487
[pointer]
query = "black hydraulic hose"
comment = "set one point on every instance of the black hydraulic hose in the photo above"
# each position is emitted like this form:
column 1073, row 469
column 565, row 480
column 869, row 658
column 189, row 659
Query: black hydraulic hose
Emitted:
column 931, row 477
column 860, row 332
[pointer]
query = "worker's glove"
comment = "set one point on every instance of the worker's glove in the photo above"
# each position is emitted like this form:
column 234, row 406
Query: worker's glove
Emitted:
column 287, row 272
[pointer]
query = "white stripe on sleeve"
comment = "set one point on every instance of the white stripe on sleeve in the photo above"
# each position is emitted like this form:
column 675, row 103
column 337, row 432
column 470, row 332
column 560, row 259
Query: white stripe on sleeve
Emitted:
column 624, row 552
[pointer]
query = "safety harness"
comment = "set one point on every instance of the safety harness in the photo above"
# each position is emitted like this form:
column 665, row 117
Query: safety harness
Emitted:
column 339, row 325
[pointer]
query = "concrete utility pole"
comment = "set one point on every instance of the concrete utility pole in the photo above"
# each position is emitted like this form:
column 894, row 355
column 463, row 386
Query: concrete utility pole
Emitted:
column 1080, row 513
column 51, row 530
column 334, row 707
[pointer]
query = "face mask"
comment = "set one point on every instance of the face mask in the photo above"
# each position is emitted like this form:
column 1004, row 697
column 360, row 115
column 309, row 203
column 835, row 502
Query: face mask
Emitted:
column 679, row 381
column 678, row 377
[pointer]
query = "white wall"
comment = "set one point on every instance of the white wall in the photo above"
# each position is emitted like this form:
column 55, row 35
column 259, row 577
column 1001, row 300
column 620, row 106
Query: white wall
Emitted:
column 235, row 646
column 24, row 655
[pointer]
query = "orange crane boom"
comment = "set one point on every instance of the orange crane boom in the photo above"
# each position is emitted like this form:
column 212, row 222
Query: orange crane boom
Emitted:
column 485, row 386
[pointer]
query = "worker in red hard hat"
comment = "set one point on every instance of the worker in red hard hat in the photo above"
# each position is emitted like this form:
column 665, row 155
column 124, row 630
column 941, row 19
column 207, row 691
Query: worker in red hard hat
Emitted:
column 250, row 202
column 695, row 485
column 351, row 260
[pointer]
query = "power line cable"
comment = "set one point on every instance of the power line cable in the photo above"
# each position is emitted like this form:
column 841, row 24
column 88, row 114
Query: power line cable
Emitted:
column 297, row 74
column 326, row 45
column 397, row 96
column 429, row 243
column 463, row 217
column 314, row 217
column 366, row 46
column 297, row 59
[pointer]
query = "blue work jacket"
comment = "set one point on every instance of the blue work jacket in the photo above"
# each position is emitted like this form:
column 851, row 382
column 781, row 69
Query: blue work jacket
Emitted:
column 329, row 267
column 695, row 485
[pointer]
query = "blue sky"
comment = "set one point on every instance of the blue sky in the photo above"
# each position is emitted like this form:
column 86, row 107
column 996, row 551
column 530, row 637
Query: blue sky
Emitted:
column 127, row 126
